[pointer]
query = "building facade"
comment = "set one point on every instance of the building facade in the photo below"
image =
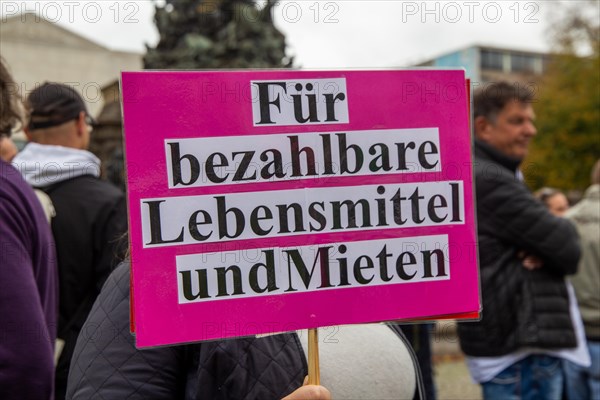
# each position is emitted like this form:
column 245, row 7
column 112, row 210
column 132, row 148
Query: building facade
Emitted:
column 491, row 64
column 37, row 50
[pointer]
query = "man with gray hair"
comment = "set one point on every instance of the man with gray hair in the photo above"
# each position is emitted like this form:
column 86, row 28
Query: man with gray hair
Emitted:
column 514, row 351
column 91, row 215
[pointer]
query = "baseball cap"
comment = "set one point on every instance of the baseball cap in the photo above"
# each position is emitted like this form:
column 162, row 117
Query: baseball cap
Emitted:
column 53, row 104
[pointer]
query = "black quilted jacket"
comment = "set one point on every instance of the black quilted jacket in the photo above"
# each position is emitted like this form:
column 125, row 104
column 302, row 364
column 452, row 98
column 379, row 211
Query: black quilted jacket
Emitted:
column 106, row 364
column 91, row 216
column 521, row 308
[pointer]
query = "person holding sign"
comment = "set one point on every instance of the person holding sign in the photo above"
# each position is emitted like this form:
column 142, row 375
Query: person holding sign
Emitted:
column 344, row 204
column 106, row 363
column 527, row 324
column 361, row 361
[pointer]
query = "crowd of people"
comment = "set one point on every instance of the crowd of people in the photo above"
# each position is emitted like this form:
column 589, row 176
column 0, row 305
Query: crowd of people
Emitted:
column 64, row 288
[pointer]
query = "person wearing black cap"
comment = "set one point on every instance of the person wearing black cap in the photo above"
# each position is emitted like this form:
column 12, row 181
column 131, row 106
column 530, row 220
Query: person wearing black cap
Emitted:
column 91, row 216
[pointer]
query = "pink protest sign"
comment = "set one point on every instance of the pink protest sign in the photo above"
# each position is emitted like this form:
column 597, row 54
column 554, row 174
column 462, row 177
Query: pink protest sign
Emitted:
column 270, row 201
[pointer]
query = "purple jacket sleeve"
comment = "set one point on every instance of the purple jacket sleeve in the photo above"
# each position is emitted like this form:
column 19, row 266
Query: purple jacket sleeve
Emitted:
column 27, row 295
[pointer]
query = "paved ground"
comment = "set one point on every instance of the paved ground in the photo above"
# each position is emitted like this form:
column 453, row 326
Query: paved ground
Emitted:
column 452, row 378
column 453, row 381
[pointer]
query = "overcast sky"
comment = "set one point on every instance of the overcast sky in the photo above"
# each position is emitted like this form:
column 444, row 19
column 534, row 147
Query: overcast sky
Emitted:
column 330, row 34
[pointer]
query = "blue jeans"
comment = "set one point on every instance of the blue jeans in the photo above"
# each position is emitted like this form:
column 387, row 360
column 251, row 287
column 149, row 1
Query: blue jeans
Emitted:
column 583, row 383
column 535, row 377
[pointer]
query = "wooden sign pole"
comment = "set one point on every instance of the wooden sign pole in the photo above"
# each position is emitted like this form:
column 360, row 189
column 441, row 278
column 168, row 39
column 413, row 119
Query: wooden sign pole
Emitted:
column 314, row 375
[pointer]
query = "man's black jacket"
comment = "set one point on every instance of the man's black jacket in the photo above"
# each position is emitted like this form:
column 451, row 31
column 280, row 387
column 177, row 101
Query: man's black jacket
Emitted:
column 521, row 308
column 89, row 229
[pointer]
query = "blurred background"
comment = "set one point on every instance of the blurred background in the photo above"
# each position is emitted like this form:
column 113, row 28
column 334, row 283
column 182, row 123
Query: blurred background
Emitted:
column 552, row 47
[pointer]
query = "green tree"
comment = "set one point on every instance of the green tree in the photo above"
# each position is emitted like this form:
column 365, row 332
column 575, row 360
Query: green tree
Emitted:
column 214, row 34
column 568, row 103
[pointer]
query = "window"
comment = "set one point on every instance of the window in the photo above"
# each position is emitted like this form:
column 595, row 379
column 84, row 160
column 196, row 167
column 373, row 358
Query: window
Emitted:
column 491, row 60
column 522, row 63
